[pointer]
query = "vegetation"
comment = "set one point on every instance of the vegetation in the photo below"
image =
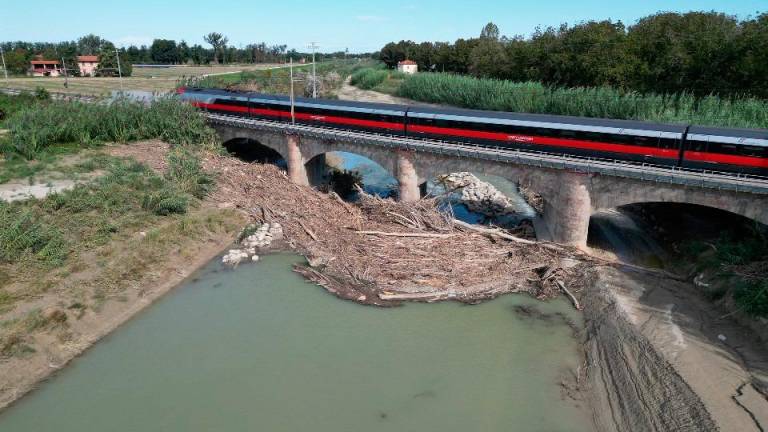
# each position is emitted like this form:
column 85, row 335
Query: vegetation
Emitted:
column 739, row 262
column 369, row 78
column 698, row 53
column 39, row 126
column 162, row 51
column 602, row 102
column 331, row 76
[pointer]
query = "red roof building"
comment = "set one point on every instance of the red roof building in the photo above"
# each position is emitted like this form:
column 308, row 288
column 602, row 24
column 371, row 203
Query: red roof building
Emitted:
column 45, row 67
column 408, row 66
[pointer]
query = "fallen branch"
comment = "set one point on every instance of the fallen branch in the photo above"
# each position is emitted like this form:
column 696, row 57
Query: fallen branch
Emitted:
column 401, row 234
column 307, row 230
column 493, row 232
column 563, row 288
column 433, row 296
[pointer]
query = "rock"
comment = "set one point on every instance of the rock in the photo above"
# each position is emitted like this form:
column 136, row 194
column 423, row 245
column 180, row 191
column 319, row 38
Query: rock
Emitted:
column 255, row 258
column 477, row 195
column 263, row 236
column 234, row 257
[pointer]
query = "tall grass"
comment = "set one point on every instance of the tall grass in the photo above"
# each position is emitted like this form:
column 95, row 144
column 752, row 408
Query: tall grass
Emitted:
column 600, row 102
column 368, row 78
column 37, row 127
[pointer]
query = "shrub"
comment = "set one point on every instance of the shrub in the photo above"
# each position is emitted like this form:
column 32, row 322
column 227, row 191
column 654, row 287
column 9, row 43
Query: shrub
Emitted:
column 185, row 171
column 752, row 297
column 165, row 202
column 23, row 233
column 368, row 78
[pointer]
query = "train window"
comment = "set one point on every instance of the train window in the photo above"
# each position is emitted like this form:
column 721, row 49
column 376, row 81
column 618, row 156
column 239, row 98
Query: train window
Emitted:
column 754, row 151
column 697, row 146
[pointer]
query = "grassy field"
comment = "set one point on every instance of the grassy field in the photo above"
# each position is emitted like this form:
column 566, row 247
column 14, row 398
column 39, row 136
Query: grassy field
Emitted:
column 331, row 76
column 145, row 79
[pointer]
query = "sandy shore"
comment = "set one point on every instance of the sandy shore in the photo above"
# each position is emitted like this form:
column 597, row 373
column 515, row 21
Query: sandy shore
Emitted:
column 663, row 358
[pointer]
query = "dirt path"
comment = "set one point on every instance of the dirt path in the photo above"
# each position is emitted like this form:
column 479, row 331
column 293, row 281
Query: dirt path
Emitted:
column 664, row 358
column 352, row 93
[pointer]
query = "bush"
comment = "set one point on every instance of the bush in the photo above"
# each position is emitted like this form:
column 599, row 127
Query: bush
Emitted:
column 368, row 78
column 165, row 202
column 35, row 128
column 752, row 297
column 22, row 233
column 185, row 171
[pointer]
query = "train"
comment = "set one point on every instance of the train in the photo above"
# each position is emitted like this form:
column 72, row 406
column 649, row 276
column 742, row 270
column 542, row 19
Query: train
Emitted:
column 726, row 150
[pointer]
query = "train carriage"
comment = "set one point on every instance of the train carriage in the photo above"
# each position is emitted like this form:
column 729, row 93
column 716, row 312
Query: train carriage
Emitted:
column 716, row 149
column 217, row 101
column 609, row 139
column 725, row 149
column 386, row 119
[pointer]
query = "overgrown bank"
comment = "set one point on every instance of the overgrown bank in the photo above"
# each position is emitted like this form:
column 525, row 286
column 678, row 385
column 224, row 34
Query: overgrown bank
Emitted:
column 599, row 102
column 78, row 262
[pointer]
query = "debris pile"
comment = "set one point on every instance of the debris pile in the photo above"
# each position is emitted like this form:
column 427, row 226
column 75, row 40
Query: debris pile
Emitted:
column 379, row 251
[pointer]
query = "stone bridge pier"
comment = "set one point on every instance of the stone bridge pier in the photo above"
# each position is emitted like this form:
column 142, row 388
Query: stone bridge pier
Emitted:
column 570, row 195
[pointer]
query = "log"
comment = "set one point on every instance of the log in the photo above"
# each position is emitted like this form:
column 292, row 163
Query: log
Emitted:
column 563, row 288
column 493, row 232
column 402, row 234
column 429, row 296
column 307, row 230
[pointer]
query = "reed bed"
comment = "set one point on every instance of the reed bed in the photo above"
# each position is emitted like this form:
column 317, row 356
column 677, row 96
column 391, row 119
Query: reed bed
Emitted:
column 38, row 127
column 599, row 102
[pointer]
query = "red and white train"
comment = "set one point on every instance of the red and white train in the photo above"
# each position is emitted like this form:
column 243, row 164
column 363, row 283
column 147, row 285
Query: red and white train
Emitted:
column 693, row 147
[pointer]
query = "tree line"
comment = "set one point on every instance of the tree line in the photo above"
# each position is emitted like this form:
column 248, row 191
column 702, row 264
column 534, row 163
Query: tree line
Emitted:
column 697, row 52
column 162, row 51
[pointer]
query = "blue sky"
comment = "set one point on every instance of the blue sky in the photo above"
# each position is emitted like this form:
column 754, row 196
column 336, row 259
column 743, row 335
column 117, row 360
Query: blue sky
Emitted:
column 335, row 25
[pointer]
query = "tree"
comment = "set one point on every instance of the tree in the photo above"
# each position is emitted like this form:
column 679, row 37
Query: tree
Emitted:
column 487, row 59
column 108, row 62
column 164, row 51
column 218, row 41
column 90, row 44
column 490, row 31
column 17, row 61
column 750, row 74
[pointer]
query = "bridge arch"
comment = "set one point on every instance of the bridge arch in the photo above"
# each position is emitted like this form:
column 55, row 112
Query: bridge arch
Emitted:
column 608, row 193
column 250, row 150
column 376, row 178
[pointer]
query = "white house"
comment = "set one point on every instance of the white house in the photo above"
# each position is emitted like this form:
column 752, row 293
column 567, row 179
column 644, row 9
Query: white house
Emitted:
column 408, row 66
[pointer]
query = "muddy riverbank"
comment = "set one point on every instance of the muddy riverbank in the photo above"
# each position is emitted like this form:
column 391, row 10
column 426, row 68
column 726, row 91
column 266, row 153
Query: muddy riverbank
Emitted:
column 657, row 356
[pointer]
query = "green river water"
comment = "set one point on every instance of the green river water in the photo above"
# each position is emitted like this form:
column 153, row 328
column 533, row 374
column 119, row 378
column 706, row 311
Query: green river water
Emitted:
column 258, row 349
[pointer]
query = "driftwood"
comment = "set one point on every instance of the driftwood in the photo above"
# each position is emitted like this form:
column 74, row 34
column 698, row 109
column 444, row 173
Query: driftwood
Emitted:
column 564, row 289
column 491, row 232
column 307, row 230
column 423, row 296
column 402, row 234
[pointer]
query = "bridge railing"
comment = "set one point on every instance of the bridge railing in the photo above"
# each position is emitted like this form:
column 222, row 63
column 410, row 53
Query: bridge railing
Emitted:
column 615, row 168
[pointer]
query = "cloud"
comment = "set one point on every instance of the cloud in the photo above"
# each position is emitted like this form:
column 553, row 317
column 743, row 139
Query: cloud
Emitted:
column 133, row 40
column 371, row 18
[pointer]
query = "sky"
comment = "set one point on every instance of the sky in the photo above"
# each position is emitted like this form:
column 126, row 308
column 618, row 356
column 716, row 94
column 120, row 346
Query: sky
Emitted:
column 360, row 26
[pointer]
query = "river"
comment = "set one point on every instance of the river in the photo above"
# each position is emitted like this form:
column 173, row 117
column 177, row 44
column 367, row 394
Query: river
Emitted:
column 257, row 348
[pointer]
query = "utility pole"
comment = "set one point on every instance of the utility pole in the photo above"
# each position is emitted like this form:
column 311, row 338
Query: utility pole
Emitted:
column 5, row 69
column 313, row 46
column 64, row 68
column 119, row 70
column 293, row 113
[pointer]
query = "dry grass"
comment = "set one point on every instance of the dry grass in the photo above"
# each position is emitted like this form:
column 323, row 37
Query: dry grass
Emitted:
column 145, row 79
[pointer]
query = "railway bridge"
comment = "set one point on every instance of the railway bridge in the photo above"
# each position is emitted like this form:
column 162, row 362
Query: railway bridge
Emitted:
column 571, row 188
